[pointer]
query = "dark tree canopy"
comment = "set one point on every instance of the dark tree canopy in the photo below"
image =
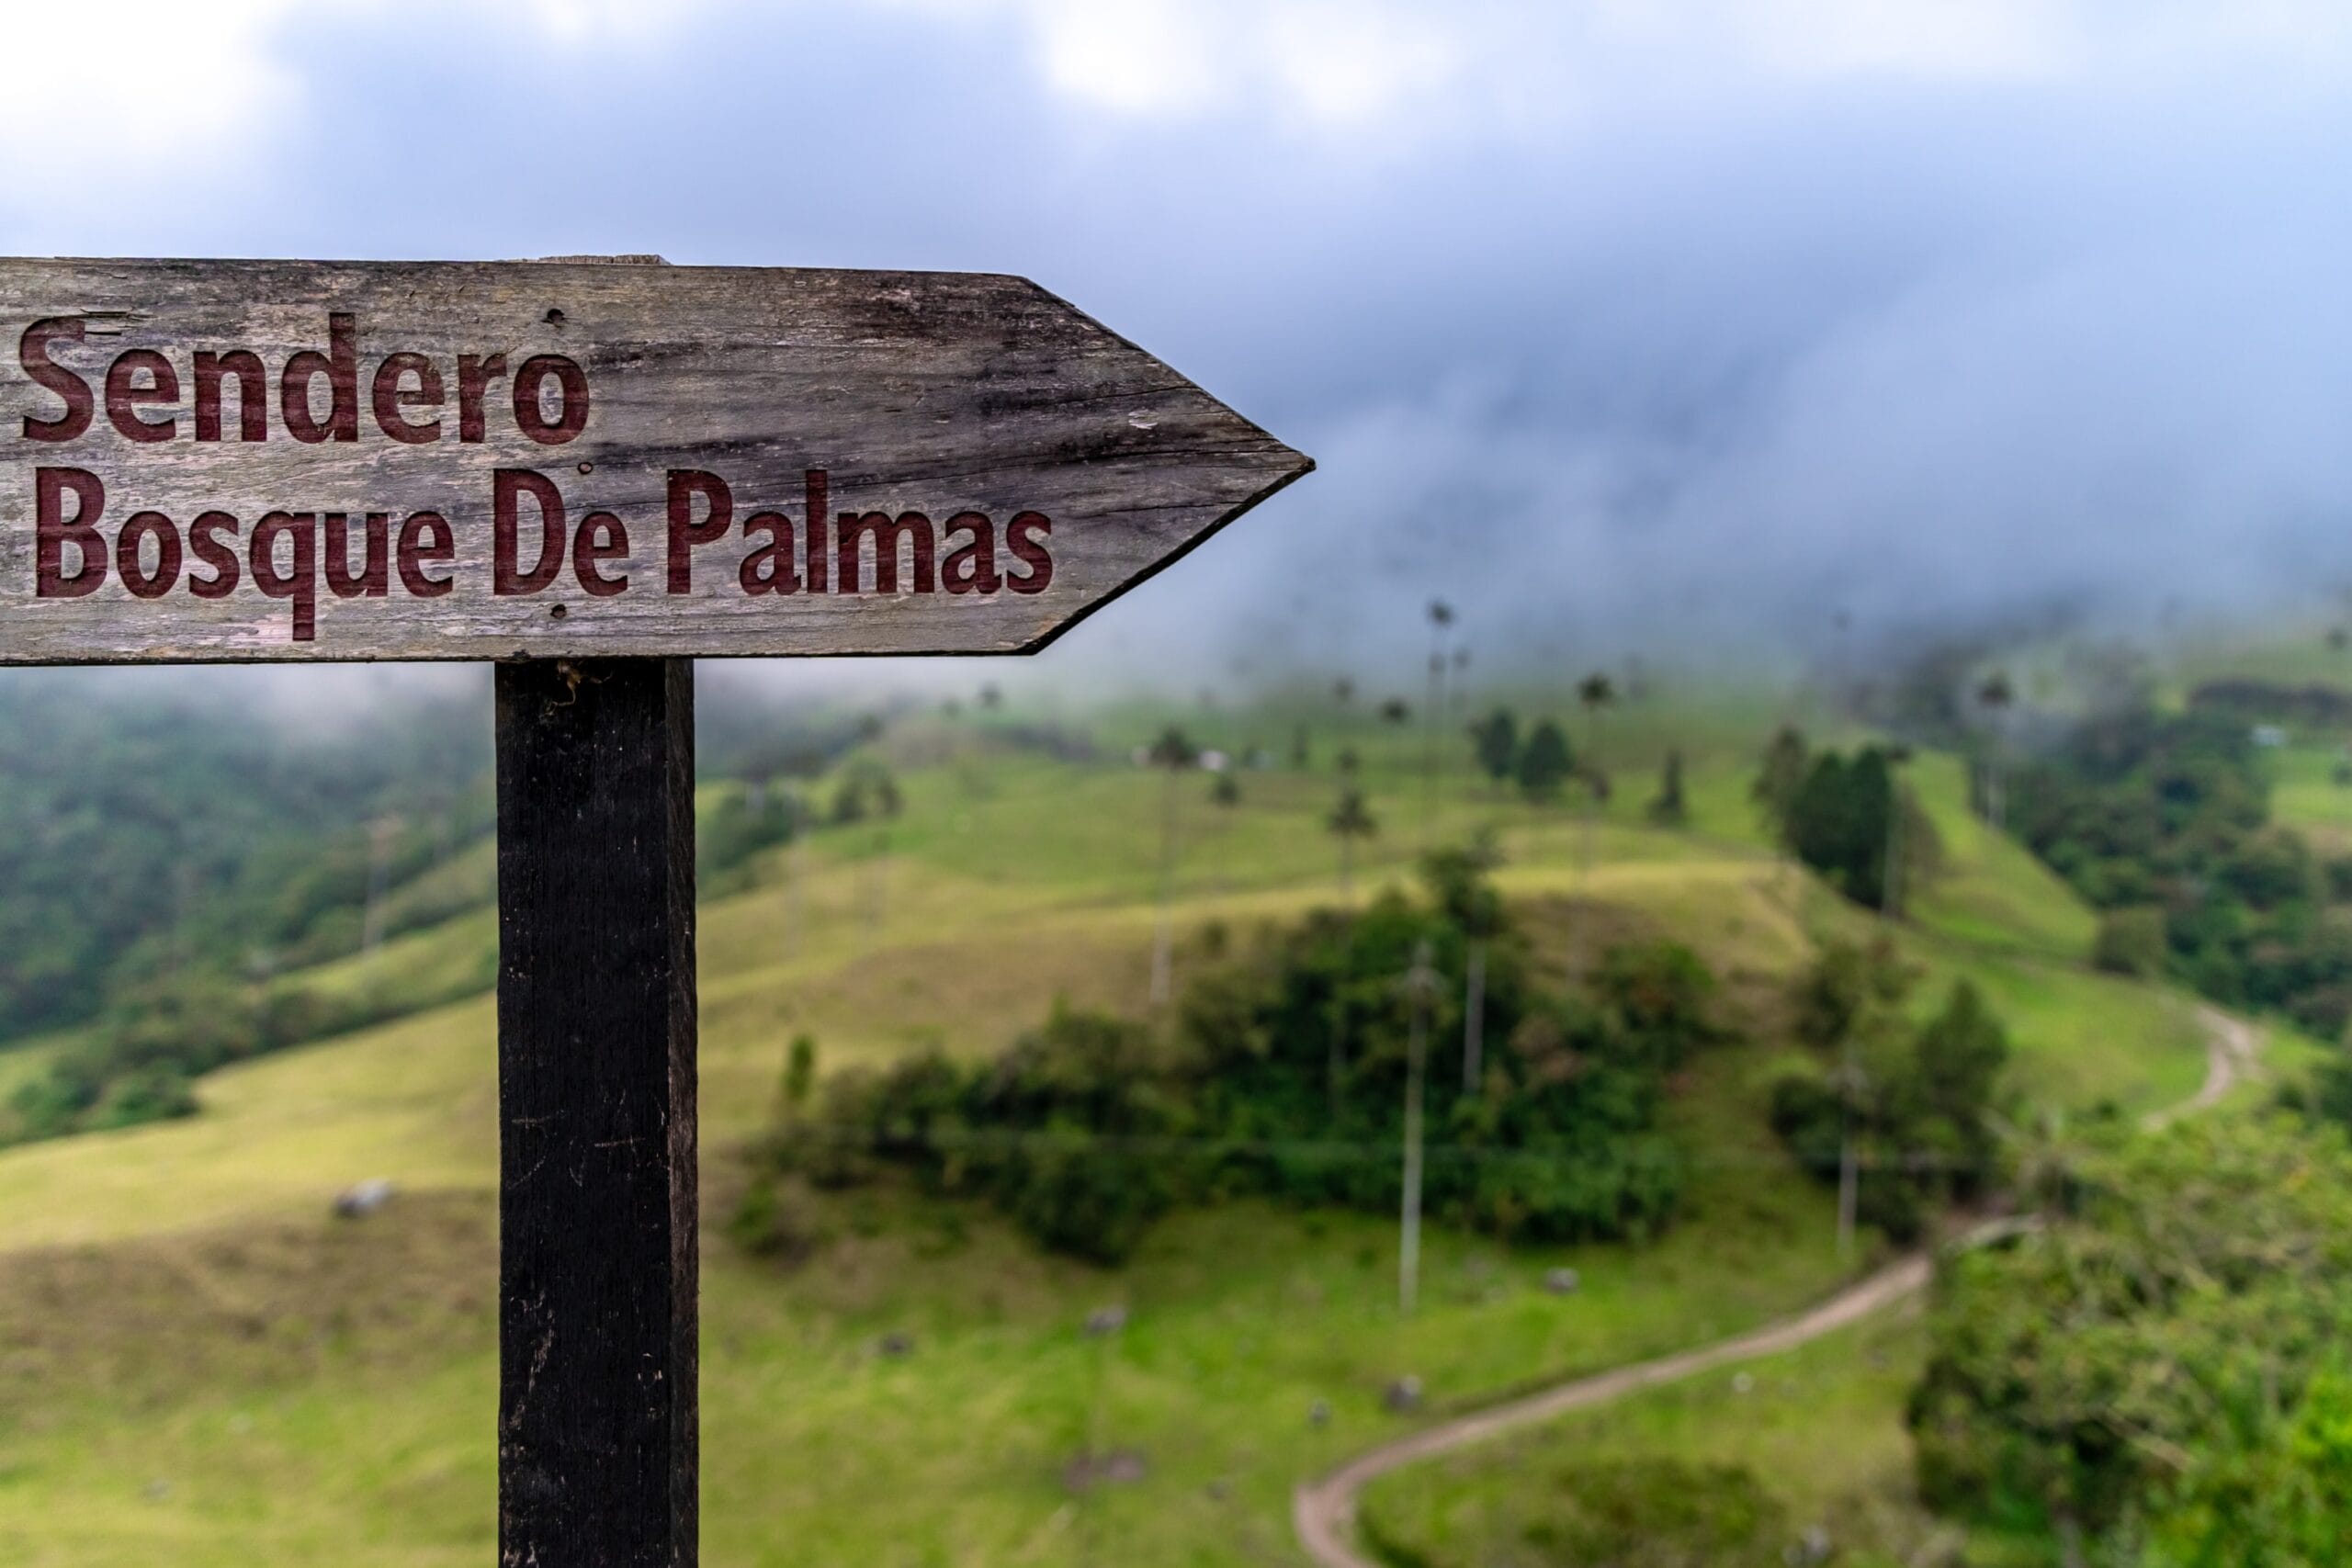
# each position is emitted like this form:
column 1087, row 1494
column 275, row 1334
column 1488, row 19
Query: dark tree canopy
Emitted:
column 1495, row 739
column 1839, row 822
column 1779, row 780
column 1545, row 763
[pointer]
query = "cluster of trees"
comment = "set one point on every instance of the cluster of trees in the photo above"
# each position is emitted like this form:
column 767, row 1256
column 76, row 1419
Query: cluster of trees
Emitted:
column 2157, row 1378
column 1851, row 819
column 744, row 819
column 1539, row 763
column 1285, row 1071
column 867, row 789
column 1897, row 1112
column 1648, row 1512
column 2163, row 822
column 140, row 1060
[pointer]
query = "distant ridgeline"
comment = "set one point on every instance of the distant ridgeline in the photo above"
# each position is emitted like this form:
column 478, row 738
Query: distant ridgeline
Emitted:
column 2270, row 700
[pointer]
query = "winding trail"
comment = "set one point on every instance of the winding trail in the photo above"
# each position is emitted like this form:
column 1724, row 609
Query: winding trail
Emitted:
column 1323, row 1512
column 2230, row 1047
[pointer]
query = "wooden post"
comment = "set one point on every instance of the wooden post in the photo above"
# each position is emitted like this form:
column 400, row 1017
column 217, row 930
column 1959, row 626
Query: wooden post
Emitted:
column 597, row 1359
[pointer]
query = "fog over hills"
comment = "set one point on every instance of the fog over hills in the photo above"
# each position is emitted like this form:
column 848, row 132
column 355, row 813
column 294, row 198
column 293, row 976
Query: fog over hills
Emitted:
column 1666, row 329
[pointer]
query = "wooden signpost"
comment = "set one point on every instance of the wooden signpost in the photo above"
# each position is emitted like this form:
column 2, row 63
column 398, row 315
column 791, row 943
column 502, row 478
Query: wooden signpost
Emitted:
column 592, row 473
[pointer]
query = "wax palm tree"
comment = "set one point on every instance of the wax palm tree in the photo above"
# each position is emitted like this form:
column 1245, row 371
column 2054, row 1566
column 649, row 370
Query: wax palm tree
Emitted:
column 1440, row 621
column 1597, row 693
column 1994, row 695
column 1419, row 986
column 1460, row 885
column 1173, row 753
column 1350, row 820
column 1851, row 1083
column 1890, row 898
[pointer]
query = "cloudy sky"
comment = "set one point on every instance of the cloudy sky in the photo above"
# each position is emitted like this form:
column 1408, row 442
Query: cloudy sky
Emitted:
column 1622, row 324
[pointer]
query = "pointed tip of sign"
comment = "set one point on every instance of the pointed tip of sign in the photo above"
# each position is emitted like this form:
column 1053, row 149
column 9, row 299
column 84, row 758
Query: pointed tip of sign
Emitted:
column 1296, row 464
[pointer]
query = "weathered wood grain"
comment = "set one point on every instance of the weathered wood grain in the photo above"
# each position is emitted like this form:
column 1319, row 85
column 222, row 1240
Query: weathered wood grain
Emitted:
column 937, row 393
column 598, row 1355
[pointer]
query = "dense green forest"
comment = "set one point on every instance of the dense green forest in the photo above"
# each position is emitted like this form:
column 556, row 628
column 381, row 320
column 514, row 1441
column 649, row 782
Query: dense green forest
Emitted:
column 2162, row 820
column 172, row 860
column 144, row 832
column 2158, row 1377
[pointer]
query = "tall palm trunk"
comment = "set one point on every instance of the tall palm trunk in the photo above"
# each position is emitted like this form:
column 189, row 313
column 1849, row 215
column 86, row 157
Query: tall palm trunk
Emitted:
column 1585, row 844
column 1163, row 936
column 1336, row 1070
column 1430, row 719
column 1849, row 1168
column 1890, row 898
column 792, row 896
column 1408, row 1246
column 1474, row 1017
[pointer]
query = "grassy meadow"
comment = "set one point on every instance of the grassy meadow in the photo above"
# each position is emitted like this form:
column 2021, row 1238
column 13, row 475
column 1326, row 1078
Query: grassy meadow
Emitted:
column 199, row 1367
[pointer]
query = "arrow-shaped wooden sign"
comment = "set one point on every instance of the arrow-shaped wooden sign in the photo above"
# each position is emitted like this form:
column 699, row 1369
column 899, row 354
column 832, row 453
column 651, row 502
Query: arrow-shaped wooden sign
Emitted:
column 593, row 474
column 227, row 460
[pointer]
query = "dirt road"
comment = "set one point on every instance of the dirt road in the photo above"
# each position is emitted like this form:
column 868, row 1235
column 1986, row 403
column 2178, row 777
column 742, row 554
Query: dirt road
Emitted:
column 1323, row 1512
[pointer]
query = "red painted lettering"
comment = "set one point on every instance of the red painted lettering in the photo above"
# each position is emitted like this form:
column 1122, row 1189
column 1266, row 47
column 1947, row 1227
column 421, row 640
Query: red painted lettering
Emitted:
column 426, row 539
column 32, row 353
column 52, row 531
column 203, row 538
column 601, row 538
column 768, row 569
column 300, row 581
column 508, row 486
column 970, row 568
column 252, row 394
column 474, row 375
column 390, row 397
column 912, row 528
column 340, row 366
column 1024, row 536
column 813, row 553
column 530, row 411
column 371, row 581
column 125, row 396
column 686, row 534
column 128, row 550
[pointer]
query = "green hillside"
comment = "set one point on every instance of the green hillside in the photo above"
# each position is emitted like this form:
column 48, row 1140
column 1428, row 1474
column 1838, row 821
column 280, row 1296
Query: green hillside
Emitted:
column 212, row 1371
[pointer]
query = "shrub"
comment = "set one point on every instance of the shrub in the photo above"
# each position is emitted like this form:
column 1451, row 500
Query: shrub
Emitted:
column 2129, row 1370
column 1661, row 1513
column 2131, row 941
column 778, row 1218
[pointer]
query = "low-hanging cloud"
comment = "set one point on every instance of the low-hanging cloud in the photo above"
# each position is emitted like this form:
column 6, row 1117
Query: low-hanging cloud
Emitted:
column 1626, row 328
